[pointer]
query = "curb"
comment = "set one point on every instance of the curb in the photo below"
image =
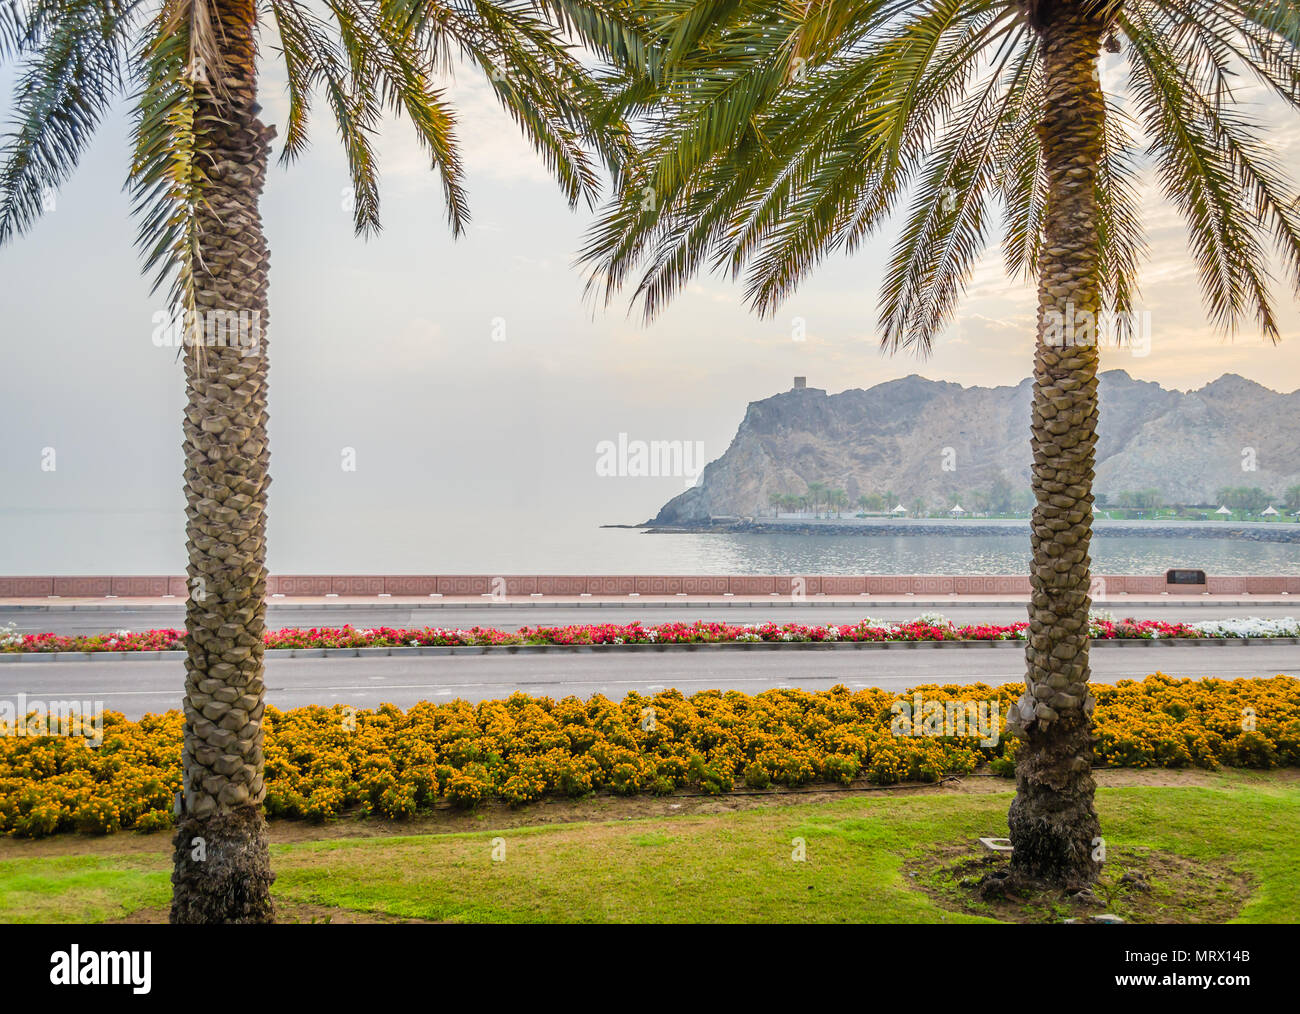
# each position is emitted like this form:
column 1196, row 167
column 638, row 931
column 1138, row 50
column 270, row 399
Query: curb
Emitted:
column 626, row 602
column 32, row 657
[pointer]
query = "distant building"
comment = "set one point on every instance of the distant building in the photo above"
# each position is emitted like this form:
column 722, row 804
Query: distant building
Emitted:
column 800, row 383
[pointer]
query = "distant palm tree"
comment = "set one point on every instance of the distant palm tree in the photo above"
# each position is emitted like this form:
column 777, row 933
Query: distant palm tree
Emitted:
column 197, row 174
column 777, row 134
column 817, row 495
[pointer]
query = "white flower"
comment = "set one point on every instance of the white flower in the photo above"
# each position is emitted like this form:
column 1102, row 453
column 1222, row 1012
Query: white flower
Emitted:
column 1248, row 626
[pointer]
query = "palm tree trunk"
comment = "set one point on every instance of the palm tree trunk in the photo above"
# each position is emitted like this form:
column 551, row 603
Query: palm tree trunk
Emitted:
column 221, row 863
column 1054, row 828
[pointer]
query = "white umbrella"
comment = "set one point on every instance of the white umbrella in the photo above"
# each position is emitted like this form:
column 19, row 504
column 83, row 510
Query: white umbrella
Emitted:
column 1223, row 510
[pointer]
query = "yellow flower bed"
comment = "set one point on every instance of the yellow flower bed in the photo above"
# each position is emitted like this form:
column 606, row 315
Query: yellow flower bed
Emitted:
column 321, row 761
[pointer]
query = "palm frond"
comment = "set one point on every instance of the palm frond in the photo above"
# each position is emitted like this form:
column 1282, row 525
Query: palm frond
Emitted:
column 945, row 231
column 354, row 99
column 76, row 66
column 611, row 31
column 1207, row 161
column 771, row 135
column 536, row 78
column 303, row 37
column 13, row 27
column 1119, row 220
column 167, row 179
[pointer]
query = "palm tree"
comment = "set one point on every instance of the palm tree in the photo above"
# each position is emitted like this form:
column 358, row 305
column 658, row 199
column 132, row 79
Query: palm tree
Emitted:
column 197, row 175
column 777, row 134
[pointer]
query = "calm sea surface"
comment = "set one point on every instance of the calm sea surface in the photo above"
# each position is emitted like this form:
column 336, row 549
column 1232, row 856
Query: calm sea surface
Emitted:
column 152, row 542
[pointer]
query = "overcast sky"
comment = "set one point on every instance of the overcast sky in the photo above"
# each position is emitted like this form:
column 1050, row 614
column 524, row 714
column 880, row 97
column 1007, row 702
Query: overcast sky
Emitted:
column 387, row 347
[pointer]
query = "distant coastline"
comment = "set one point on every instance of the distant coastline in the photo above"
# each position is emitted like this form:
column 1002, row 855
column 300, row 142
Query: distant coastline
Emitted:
column 896, row 447
column 1257, row 531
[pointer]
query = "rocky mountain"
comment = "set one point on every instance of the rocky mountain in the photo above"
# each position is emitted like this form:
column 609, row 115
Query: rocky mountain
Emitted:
column 938, row 441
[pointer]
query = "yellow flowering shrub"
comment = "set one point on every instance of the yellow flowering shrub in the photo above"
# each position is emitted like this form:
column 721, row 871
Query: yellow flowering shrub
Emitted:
column 323, row 761
column 1170, row 723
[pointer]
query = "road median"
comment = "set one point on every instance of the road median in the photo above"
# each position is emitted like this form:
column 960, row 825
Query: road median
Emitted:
column 36, row 657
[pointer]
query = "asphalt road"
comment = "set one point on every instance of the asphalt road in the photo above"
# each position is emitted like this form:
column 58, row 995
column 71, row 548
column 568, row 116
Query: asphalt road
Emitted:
column 137, row 688
column 509, row 616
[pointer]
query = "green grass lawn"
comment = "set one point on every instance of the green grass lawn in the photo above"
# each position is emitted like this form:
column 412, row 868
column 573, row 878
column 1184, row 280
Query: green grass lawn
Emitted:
column 733, row 866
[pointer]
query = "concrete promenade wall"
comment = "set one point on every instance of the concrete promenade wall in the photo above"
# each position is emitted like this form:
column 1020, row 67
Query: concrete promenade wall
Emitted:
column 352, row 585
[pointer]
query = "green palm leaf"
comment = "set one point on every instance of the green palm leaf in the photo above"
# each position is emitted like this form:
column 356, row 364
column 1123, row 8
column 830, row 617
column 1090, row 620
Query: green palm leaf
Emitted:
column 748, row 167
column 75, row 64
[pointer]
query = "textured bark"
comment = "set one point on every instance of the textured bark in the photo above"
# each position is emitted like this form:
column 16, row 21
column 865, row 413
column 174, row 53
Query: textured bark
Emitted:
column 226, row 479
column 222, row 869
column 1053, row 824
